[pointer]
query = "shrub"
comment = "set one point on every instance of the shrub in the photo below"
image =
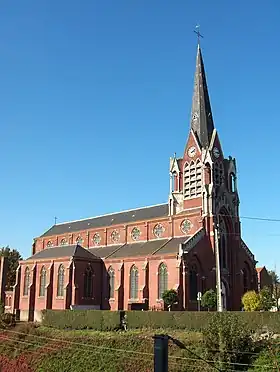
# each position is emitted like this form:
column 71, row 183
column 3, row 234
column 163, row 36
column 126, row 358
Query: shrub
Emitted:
column 98, row 320
column 228, row 339
column 266, row 299
column 251, row 301
column 7, row 320
column 2, row 308
column 170, row 297
column 268, row 360
column 209, row 299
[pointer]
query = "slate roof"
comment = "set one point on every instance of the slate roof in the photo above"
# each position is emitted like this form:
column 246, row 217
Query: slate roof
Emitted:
column 138, row 249
column 146, row 213
column 73, row 250
column 201, row 119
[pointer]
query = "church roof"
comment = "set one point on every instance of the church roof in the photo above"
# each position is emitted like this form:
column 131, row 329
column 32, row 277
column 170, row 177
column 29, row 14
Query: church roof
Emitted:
column 73, row 250
column 133, row 215
column 152, row 247
column 201, row 117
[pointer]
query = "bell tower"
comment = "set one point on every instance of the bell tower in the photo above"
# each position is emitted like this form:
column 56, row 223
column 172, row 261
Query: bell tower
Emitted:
column 202, row 179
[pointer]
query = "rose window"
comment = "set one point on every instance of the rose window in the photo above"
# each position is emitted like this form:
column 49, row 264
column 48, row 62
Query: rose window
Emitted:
column 115, row 236
column 135, row 233
column 96, row 239
column 186, row 226
column 158, row 230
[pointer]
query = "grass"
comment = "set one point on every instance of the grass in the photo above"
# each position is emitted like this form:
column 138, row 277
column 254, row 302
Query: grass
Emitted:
column 46, row 349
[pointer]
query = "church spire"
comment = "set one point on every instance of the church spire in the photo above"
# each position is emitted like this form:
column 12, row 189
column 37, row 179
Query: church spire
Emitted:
column 201, row 119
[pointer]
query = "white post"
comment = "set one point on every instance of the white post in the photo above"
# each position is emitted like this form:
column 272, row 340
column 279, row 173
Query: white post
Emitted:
column 218, row 271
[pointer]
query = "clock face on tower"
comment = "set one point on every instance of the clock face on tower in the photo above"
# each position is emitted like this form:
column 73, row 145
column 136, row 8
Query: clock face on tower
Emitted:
column 216, row 152
column 192, row 152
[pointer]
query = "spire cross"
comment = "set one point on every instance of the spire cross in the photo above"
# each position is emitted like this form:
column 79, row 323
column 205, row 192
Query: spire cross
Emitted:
column 196, row 31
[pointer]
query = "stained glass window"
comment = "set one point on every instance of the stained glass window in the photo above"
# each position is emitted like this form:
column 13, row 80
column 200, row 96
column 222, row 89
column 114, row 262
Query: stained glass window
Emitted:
column 88, row 289
column 115, row 236
column 133, row 282
column 162, row 279
column 158, row 230
column 96, row 239
column 43, row 277
column 135, row 233
column 26, row 281
column 60, row 281
column 111, row 273
column 186, row 226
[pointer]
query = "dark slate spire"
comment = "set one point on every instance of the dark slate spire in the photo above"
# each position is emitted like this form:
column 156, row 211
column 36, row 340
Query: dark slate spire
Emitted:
column 201, row 119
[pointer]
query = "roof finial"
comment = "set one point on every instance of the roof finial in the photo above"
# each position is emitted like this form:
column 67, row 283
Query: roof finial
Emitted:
column 55, row 220
column 197, row 27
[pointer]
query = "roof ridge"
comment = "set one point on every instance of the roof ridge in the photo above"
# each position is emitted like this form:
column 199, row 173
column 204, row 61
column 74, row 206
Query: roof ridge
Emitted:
column 110, row 214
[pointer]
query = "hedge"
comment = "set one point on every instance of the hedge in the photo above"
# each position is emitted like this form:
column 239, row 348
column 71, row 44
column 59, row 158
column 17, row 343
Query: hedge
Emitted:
column 99, row 320
column 106, row 320
column 196, row 321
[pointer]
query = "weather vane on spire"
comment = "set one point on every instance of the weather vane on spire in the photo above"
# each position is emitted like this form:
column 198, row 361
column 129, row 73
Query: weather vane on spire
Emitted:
column 197, row 27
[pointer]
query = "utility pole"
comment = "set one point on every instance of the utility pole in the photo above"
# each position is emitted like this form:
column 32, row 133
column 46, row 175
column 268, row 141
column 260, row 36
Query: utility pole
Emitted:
column 218, row 268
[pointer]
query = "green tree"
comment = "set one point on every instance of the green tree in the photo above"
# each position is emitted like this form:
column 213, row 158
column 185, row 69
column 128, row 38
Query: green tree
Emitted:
column 276, row 286
column 251, row 301
column 266, row 299
column 170, row 297
column 13, row 259
column 209, row 299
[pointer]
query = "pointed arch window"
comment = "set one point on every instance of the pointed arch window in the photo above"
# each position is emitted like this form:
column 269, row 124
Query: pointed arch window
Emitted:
column 63, row 241
column 60, row 281
column 218, row 173
column 133, row 287
column 193, row 283
column 193, row 179
column 162, row 279
column 223, row 244
column 43, row 281
column 88, row 288
column 79, row 240
column 26, row 281
column 111, row 273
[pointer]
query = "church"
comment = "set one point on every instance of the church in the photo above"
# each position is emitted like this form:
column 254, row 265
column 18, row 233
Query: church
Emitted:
column 126, row 260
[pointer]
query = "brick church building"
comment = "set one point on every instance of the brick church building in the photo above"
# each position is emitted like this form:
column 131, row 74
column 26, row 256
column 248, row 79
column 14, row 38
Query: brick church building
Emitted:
column 125, row 260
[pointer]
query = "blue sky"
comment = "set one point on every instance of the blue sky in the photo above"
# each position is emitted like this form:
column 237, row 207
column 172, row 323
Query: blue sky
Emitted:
column 95, row 97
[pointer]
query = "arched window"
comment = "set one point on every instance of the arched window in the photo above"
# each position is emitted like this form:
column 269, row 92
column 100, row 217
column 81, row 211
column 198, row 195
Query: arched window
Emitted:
column 133, row 288
column 111, row 273
column 232, row 182
column 88, row 293
column 193, row 283
column 192, row 180
column 207, row 174
column 63, row 241
column 60, row 281
column 49, row 244
column 223, row 252
column 26, row 281
column 162, row 279
column 43, row 278
column 218, row 173
column 79, row 240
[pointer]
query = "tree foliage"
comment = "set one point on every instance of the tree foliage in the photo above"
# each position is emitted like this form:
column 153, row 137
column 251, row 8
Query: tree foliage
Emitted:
column 275, row 285
column 13, row 259
column 228, row 339
column 266, row 299
column 170, row 297
column 209, row 299
column 251, row 301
